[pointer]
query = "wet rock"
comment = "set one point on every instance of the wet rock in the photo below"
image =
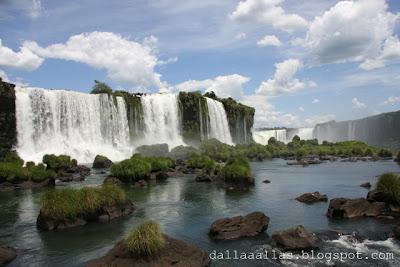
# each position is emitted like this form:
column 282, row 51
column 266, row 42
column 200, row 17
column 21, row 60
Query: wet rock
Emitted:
column 7, row 254
column 353, row 208
column 140, row 183
column 295, row 239
column 366, row 185
column 112, row 180
column 204, row 177
column 378, row 196
column 310, row 198
column 101, row 162
column 175, row 253
column 396, row 232
column 266, row 181
column 240, row 226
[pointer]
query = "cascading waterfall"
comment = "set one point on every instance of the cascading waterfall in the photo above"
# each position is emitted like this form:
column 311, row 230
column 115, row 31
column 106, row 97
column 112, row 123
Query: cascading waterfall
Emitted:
column 219, row 127
column 162, row 123
column 77, row 124
column 263, row 136
column 305, row 133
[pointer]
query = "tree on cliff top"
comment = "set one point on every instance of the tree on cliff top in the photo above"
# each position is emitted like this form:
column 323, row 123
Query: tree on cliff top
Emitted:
column 101, row 88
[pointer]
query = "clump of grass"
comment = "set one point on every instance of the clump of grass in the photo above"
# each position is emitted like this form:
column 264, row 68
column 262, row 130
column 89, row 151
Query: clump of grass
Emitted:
column 145, row 240
column 132, row 169
column 201, row 162
column 69, row 203
column 237, row 170
column 389, row 183
column 159, row 163
column 58, row 163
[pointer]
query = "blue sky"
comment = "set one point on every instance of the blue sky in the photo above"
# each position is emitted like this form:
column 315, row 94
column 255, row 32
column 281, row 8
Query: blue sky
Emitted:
column 297, row 62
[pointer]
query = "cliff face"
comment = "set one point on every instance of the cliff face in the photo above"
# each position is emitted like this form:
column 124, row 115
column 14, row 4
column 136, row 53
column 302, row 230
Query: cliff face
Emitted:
column 380, row 130
column 8, row 132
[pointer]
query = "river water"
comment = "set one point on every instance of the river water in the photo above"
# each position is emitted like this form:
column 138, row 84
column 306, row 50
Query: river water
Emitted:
column 185, row 209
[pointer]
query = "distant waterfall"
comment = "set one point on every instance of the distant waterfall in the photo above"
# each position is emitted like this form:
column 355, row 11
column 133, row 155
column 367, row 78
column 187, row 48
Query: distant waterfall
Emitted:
column 263, row 136
column 162, row 123
column 303, row 133
column 77, row 124
column 219, row 127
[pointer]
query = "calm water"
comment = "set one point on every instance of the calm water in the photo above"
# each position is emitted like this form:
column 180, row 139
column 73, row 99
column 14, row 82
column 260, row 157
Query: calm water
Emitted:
column 186, row 209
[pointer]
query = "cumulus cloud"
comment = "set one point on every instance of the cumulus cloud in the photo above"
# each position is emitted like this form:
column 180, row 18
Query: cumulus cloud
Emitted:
column 315, row 101
column 268, row 12
column 23, row 59
column 283, row 81
column 223, row 86
column 354, row 31
column 124, row 60
column 312, row 121
column 269, row 40
column 358, row 104
column 392, row 100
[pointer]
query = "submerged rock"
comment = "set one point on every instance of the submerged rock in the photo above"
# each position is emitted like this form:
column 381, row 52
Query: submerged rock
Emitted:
column 112, row 180
column 353, row 208
column 366, row 185
column 7, row 254
column 101, row 162
column 266, row 181
column 175, row 253
column 310, row 198
column 240, row 226
column 295, row 239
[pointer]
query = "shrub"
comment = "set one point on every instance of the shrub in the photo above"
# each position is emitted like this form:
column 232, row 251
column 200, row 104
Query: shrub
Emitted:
column 39, row 173
column 101, row 88
column 145, row 240
column 58, row 163
column 201, row 162
column 12, row 157
column 159, row 163
column 237, row 170
column 69, row 203
column 217, row 150
column 15, row 173
column 389, row 183
column 384, row 153
column 131, row 170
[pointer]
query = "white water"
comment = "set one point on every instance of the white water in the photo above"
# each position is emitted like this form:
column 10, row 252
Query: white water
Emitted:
column 64, row 122
column 263, row 136
column 305, row 133
column 219, row 127
column 162, row 123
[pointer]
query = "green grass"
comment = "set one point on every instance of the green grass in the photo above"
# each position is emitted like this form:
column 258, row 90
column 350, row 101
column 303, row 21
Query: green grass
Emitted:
column 159, row 163
column 69, row 203
column 131, row 170
column 237, row 170
column 60, row 162
column 201, row 162
column 13, row 172
column 145, row 240
column 389, row 183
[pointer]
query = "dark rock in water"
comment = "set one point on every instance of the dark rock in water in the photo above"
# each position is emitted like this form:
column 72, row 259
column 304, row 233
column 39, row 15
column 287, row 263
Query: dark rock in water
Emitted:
column 266, row 181
column 175, row 253
column 366, row 185
column 161, row 175
column 295, row 239
column 353, row 208
column 101, row 162
column 204, row 177
column 140, row 183
column 112, row 180
column 7, row 254
column 396, row 232
column 379, row 196
column 157, row 150
column 310, row 198
column 240, row 226
column 76, row 173
column 105, row 215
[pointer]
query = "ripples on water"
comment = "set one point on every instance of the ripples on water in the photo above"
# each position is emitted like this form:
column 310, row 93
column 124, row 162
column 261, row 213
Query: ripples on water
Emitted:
column 186, row 209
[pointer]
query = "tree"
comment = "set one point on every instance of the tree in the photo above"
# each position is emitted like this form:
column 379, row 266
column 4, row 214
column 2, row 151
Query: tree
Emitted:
column 296, row 138
column 101, row 88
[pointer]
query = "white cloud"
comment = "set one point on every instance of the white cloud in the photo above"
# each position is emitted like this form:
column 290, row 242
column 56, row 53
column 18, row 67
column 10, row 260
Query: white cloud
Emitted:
column 4, row 76
column 240, row 36
column 168, row 61
column 284, row 81
column 392, row 100
column 301, row 109
column 268, row 12
column 312, row 121
column 223, row 86
column 358, row 104
column 23, row 59
column 390, row 51
column 269, row 40
column 35, row 9
column 124, row 60
column 353, row 31
column 315, row 101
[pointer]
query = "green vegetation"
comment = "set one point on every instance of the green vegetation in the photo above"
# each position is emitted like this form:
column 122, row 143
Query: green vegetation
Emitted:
column 101, row 88
column 131, row 170
column 101, row 162
column 237, row 170
column 145, row 240
column 389, row 183
column 217, row 150
column 160, row 163
column 182, row 152
column 201, row 162
column 57, row 163
column 68, row 203
column 384, row 153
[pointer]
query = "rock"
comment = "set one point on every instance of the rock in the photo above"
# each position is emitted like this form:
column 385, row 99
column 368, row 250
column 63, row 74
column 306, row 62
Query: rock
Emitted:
column 112, row 180
column 7, row 254
column 240, row 226
column 366, row 185
column 295, row 239
column 203, row 177
column 310, row 198
column 105, row 215
column 396, row 232
column 140, row 183
column 101, row 162
column 266, row 181
column 175, row 253
column 156, row 150
column 161, row 175
column 353, row 208
column 378, row 196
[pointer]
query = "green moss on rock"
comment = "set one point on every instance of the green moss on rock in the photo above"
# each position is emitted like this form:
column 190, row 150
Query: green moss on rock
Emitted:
column 8, row 132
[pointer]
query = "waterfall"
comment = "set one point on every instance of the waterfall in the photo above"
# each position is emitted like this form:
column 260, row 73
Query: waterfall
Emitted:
column 305, row 133
column 77, row 124
column 263, row 136
column 162, row 123
column 219, row 127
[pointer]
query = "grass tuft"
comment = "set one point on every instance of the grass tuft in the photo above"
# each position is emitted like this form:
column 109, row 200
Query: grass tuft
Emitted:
column 389, row 183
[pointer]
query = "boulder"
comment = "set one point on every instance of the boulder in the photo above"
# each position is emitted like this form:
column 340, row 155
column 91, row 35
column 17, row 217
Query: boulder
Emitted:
column 295, row 239
column 366, row 185
column 101, row 162
column 240, row 226
column 112, row 180
column 175, row 253
column 7, row 254
column 378, row 196
column 310, row 198
column 140, row 183
column 353, row 208
column 266, row 181
column 396, row 232
column 203, row 177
